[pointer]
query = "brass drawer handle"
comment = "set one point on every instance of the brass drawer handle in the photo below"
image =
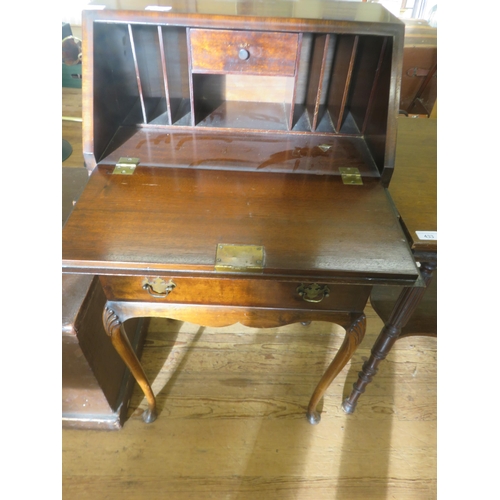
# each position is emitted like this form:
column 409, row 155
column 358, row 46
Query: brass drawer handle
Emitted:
column 158, row 288
column 314, row 292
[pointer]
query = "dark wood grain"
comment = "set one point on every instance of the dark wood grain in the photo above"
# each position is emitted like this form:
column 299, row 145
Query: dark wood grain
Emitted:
column 137, row 73
column 374, row 96
column 151, row 68
column 246, row 292
column 420, row 55
column 377, row 121
column 414, row 184
column 290, row 109
column 401, row 313
column 113, row 87
column 117, row 91
column 237, row 150
column 363, row 77
column 345, row 55
column 163, row 62
column 423, row 321
column 217, row 51
column 316, row 78
column 172, row 219
column 174, row 46
column 96, row 386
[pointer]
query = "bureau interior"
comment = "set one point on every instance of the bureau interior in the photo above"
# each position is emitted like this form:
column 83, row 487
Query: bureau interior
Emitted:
column 335, row 86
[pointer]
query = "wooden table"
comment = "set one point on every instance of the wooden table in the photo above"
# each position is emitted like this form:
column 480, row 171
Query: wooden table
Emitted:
column 414, row 191
column 419, row 75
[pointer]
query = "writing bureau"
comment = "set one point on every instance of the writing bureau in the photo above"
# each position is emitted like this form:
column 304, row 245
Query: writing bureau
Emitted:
column 239, row 161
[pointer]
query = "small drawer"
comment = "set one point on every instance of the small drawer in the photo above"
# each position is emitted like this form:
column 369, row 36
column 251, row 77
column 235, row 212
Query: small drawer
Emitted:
column 236, row 292
column 249, row 52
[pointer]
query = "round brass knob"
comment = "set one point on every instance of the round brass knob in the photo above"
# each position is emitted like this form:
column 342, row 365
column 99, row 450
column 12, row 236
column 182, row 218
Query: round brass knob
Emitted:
column 243, row 54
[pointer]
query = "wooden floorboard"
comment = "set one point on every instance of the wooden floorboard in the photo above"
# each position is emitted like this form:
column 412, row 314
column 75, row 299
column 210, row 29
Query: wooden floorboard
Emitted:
column 232, row 417
column 232, row 421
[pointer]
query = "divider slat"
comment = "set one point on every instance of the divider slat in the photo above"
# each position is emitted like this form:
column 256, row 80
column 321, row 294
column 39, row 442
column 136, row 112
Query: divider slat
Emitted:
column 137, row 75
column 164, row 73
column 347, row 83
column 191, row 88
column 343, row 64
column 316, row 78
column 295, row 81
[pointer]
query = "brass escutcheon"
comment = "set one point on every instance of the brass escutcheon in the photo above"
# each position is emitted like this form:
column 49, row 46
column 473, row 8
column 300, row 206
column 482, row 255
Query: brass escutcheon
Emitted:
column 313, row 292
column 158, row 288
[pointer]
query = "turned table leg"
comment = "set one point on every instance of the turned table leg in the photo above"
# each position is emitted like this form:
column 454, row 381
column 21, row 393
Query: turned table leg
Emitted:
column 114, row 328
column 406, row 304
column 353, row 337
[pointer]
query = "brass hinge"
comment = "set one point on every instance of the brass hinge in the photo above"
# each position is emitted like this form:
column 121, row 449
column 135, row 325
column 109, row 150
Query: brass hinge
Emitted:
column 239, row 258
column 350, row 175
column 126, row 166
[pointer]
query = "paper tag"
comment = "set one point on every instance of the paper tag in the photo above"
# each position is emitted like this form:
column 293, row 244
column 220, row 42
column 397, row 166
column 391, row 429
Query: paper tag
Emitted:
column 159, row 8
column 427, row 235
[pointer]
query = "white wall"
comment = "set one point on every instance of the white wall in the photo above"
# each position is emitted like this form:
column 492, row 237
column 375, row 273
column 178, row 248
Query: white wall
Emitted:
column 72, row 11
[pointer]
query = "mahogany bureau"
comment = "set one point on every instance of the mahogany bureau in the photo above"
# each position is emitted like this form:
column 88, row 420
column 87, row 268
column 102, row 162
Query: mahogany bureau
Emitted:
column 240, row 154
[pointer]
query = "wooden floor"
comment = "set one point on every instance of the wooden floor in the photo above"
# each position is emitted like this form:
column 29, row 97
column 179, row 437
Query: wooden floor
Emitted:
column 232, row 416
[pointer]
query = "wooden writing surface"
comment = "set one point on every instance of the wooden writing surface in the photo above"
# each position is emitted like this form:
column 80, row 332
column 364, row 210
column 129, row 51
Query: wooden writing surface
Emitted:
column 166, row 218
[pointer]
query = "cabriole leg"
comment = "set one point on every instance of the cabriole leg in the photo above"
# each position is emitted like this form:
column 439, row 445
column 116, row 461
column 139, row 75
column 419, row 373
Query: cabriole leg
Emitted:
column 353, row 337
column 113, row 327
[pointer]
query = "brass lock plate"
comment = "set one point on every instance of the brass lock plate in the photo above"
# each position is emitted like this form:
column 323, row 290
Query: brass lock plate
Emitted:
column 350, row 175
column 239, row 258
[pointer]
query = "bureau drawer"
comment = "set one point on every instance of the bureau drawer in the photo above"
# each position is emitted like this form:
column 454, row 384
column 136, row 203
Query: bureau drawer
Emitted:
column 249, row 52
column 236, row 292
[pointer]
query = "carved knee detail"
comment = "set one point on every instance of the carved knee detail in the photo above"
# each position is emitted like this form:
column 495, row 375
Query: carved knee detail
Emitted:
column 110, row 320
column 357, row 329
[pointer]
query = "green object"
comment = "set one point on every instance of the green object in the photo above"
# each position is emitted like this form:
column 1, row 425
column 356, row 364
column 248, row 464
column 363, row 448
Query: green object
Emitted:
column 66, row 149
column 72, row 76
